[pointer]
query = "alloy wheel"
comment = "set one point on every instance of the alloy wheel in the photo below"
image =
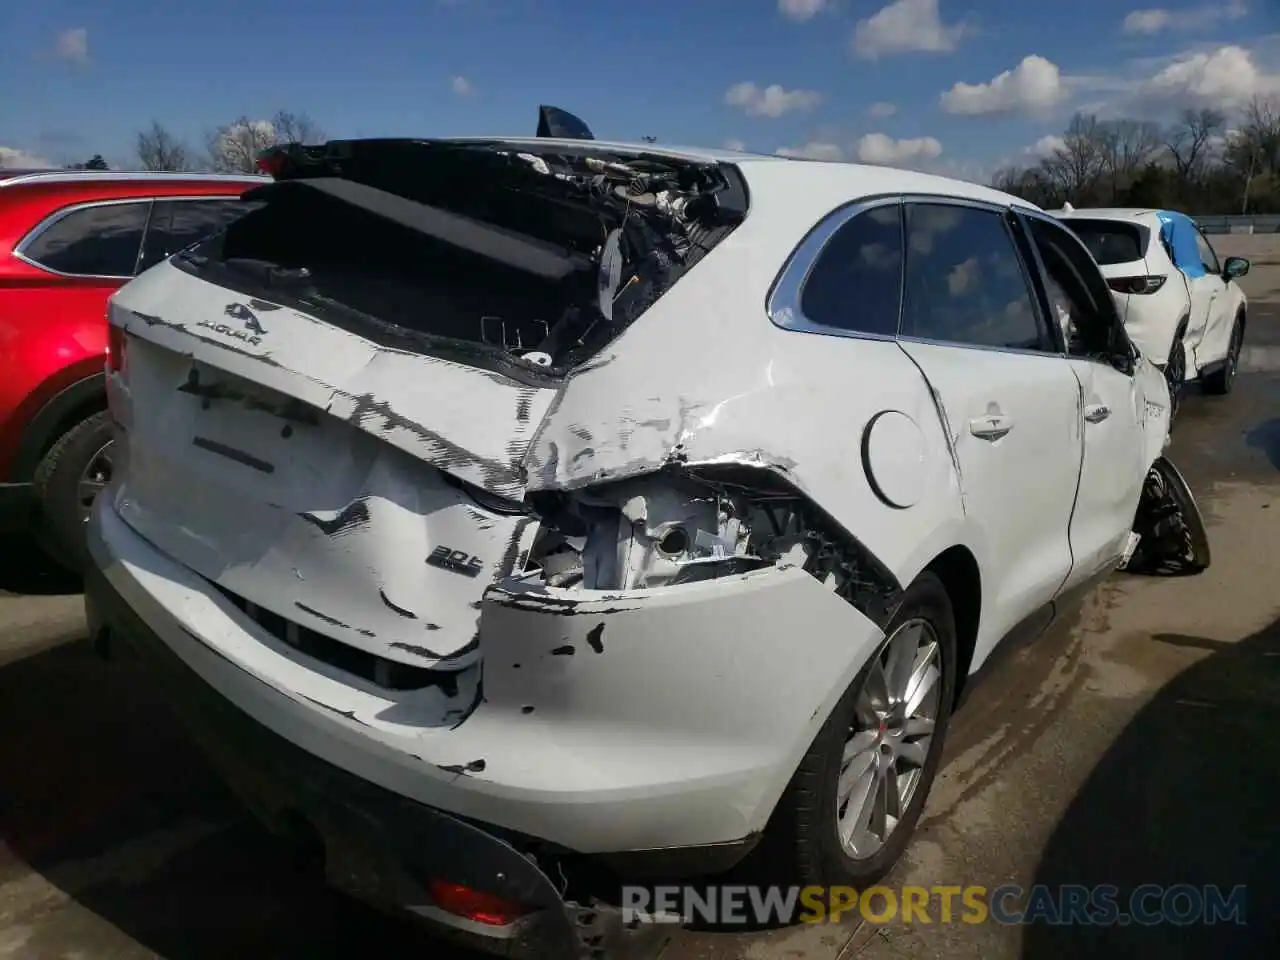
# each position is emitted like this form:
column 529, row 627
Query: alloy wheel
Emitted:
column 93, row 479
column 889, row 743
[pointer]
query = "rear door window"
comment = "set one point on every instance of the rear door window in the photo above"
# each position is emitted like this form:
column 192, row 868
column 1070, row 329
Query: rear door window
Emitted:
column 102, row 240
column 965, row 283
column 177, row 224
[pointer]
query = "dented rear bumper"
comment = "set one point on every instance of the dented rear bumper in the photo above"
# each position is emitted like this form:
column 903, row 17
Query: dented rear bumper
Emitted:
column 375, row 844
column 676, row 715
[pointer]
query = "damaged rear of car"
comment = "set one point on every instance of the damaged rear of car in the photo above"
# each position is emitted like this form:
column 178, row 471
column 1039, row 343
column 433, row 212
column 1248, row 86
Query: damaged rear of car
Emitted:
column 331, row 528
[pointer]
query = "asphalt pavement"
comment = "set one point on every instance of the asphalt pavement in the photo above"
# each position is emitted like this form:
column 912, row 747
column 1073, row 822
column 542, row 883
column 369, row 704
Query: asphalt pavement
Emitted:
column 1135, row 744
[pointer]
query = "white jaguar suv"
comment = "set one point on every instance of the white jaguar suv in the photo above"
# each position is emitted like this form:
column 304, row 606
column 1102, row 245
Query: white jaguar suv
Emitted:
column 508, row 514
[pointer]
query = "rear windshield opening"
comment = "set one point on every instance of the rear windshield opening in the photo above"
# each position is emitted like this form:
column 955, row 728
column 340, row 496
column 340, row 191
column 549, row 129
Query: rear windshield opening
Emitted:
column 1111, row 242
column 537, row 261
column 358, row 261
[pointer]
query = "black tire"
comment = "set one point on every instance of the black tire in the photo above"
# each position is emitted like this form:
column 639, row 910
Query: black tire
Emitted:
column 1175, row 372
column 58, row 488
column 1174, row 540
column 1223, row 380
column 801, row 844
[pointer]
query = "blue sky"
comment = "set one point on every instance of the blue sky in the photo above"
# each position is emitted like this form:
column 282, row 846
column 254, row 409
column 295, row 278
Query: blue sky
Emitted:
column 953, row 85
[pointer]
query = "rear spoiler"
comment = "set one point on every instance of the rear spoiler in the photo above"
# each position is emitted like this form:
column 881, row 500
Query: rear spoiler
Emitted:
column 562, row 125
column 553, row 122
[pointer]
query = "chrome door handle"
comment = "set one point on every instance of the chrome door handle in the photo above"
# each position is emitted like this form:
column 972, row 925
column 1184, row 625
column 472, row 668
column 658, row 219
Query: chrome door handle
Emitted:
column 1097, row 412
column 992, row 426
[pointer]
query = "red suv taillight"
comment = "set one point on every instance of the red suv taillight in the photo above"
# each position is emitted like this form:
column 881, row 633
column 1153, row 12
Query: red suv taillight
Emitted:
column 117, row 349
column 475, row 905
column 1135, row 284
column 272, row 161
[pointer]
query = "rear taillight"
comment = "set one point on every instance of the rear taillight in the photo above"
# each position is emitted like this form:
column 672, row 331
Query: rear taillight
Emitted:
column 475, row 905
column 117, row 349
column 1135, row 284
column 272, row 160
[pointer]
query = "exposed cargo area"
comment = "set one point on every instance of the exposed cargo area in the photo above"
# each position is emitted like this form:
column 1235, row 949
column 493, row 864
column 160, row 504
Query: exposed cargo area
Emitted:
column 476, row 250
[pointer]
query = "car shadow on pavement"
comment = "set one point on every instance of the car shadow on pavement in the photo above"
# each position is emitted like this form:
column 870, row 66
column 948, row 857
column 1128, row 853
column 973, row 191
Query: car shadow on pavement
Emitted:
column 107, row 801
column 1188, row 794
column 25, row 569
column 1266, row 438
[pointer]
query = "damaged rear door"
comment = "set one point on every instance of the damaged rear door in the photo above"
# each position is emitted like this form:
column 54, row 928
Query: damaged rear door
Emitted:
column 1009, row 400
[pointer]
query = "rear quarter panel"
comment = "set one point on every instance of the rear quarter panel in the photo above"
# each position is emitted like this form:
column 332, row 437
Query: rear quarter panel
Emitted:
column 706, row 377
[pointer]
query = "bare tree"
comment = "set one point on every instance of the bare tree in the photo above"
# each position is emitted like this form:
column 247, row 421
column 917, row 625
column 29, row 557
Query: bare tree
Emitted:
column 1075, row 166
column 1191, row 139
column 158, row 149
column 1126, row 147
column 234, row 147
column 296, row 128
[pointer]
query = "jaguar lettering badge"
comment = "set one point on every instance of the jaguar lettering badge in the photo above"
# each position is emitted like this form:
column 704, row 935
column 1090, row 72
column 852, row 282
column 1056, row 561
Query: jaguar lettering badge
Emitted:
column 251, row 331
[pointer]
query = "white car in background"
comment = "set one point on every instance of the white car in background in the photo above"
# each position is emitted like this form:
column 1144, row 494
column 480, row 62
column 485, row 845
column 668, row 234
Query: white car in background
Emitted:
column 506, row 514
column 1180, row 303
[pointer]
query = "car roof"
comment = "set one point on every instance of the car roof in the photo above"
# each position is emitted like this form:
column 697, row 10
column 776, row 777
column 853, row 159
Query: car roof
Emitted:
column 1107, row 213
column 12, row 178
column 827, row 182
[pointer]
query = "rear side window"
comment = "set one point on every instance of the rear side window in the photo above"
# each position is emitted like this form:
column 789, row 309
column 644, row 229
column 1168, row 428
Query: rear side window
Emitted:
column 177, row 224
column 964, row 281
column 1110, row 242
column 856, row 282
column 97, row 241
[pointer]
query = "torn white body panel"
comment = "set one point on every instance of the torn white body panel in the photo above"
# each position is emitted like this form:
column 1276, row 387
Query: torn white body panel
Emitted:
column 470, row 423
column 617, row 420
column 620, row 727
column 301, row 493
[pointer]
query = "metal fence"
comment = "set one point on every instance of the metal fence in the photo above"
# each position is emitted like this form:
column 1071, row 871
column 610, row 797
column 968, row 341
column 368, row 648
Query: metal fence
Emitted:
column 1264, row 223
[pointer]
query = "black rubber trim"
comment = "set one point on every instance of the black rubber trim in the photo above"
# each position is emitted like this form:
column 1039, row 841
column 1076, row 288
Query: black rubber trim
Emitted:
column 44, row 428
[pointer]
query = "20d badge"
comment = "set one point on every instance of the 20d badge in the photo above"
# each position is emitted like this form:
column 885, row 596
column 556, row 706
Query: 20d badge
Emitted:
column 455, row 561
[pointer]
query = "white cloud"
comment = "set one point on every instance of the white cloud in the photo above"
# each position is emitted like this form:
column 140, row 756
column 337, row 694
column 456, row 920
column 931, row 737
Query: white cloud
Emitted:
column 1047, row 146
column 882, row 110
column 1034, row 86
column 771, row 101
column 814, row 150
column 883, row 149
column 1158, row 19
column 462, row 87
column 1226, row 78
column 974, row 171
column 733, row 143
column 906, row 26
column 12, row 158
column 801, row 10
column 73, row 46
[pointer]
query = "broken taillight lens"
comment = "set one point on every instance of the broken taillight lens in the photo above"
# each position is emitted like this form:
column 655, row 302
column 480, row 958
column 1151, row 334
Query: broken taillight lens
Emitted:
column 475, row 905
column 272, row 161
column 1137, row 285
column 117, row 349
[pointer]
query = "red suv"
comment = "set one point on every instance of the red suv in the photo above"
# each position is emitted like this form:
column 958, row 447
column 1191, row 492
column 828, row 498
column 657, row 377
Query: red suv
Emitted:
column 68, row 240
